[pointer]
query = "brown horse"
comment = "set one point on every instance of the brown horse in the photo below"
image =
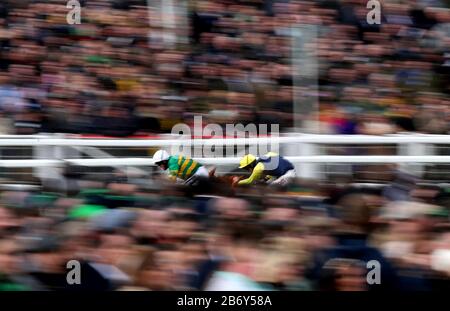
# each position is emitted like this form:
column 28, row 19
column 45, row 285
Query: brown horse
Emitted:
column 225, row 179
column 214, row 185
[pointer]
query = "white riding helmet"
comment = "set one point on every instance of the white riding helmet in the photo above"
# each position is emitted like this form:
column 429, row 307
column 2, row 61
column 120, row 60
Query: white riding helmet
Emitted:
column 160, row 155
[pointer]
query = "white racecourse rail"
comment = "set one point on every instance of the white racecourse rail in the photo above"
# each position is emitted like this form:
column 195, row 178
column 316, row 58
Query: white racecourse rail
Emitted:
column 301, row 149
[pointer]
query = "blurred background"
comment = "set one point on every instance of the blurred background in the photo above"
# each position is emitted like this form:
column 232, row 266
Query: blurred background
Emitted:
column 134, row 68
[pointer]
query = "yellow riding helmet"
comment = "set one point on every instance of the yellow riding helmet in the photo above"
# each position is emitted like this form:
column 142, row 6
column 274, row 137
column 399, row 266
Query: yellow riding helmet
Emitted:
column 247, row 160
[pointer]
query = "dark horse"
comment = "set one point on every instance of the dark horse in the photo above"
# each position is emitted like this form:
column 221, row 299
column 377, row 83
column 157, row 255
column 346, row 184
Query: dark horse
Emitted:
column 214, row 185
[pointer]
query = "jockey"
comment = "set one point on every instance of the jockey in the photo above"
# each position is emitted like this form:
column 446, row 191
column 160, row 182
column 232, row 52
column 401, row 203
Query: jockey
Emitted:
column 180, row 167
column 272, row 168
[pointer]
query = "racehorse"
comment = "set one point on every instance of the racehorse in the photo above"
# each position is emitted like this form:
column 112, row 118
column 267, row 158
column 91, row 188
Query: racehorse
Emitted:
column 215, row 185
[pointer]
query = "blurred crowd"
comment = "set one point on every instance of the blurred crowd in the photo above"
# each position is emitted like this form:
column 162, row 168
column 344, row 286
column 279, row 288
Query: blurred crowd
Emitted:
column 130, row 68
column 129, row 235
